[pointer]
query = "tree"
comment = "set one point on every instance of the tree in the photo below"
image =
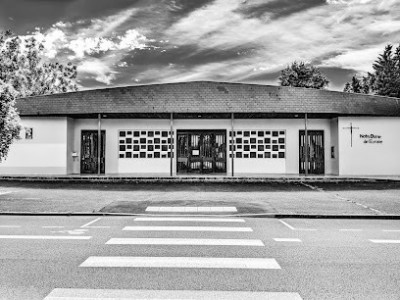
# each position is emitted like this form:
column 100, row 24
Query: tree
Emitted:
column 385, row 78
column 9, row 121
column 387, row 73
column 301, row 74
column 23, row 72
column 358, row 86
column 22, row 67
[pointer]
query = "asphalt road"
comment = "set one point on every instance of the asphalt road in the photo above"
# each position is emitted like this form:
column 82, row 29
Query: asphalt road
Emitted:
column 380, row 198
column 142, row 258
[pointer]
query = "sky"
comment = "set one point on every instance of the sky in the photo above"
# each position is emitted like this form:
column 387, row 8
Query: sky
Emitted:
column 132, row 42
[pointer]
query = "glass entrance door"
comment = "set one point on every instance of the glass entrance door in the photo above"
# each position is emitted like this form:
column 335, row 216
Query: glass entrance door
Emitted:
column 89, row 151
column 316, row 160
column 201, row 151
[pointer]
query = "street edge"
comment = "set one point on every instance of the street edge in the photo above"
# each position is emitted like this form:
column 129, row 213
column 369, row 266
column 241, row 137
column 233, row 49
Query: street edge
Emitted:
column 272, row 216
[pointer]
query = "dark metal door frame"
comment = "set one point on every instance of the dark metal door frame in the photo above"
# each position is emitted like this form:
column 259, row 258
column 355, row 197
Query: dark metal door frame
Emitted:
column 89, row 151
column 316, row 152
column 201, row 151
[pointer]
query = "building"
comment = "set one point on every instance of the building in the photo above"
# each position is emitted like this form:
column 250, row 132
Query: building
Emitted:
column 186, row 128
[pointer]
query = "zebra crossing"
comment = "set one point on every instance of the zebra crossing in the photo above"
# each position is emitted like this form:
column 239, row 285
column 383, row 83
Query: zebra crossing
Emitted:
column 180, row 262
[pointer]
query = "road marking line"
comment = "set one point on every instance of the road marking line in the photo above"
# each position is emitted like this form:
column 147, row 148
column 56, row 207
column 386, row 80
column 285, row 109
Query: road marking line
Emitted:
column 391, row 230
column 91, row 227
column 45, row 237
column 10, row 226
column 91, row 222
column 30, row 198
column 191, row 209
column 5, row 193
column 287, row 240
column 181, row 262
column 192, row 242
column 96, row 294
column 287, row 225
column 53, row 226
column 386, row 241
column 297, row 229
column 357, row 230
column 188, row 228
column 187, row 219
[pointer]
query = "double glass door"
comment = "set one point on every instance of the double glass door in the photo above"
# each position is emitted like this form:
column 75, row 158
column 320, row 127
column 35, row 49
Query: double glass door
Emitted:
column 201, row 151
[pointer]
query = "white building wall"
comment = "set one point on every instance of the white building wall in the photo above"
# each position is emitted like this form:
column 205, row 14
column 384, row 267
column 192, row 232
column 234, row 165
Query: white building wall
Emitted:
column 289, row 165
column 369, row 155
column 56, row 139
column 114, row 164
column 242, row 166
column 45, row 153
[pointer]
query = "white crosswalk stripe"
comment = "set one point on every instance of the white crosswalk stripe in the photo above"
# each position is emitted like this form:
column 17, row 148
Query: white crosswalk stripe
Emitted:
column 191, row 209
column 188, row 228
column 176, row 241
column 188, row 219
column 184, row 262
column 45, row 237
column 287, row 240
column 180, row 262
column 98, row 294
column 386, row 241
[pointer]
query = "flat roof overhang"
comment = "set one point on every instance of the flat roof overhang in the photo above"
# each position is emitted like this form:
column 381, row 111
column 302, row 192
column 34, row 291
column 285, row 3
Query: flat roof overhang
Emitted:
column 199, row 115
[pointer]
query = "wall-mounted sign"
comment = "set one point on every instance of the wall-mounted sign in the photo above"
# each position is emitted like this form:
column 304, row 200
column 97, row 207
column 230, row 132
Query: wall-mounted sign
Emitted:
column 351, row 127
column 371, row 138
column 195, row 152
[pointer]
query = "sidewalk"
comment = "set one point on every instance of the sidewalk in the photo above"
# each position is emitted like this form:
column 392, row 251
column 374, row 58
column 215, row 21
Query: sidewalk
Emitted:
column 290, row 199
column 190, row 178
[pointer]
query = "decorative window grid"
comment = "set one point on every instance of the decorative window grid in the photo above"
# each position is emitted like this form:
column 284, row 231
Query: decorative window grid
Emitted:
column 258, row 143
column 145, row 143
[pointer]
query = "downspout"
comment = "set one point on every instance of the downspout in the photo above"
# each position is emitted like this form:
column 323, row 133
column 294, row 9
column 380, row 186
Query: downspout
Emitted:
column 306, row 145
column 232, row 144
column 99, row 144
column 171, row 143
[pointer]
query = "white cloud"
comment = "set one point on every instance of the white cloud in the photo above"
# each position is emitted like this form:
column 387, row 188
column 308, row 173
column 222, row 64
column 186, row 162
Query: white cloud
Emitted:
column 93, row 37
column 132, row 40
column 109, row 38
column 360, row 60
column 352, row 31
column 97, row 68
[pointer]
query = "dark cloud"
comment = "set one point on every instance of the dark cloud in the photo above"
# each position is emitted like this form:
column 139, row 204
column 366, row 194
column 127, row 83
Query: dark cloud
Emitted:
column 279, row 8
column 263, row 77
column 338, row 76
column 28, row 14
column 184, row 7
column 187, row 55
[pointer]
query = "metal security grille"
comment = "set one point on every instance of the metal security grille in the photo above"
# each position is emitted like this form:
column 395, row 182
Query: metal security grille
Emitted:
column 316, row 158
column 89, row 151
column 201, row 152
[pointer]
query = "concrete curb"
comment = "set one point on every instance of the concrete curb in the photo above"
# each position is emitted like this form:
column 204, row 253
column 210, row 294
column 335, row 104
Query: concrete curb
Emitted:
column 265, row 215
column 151, row 180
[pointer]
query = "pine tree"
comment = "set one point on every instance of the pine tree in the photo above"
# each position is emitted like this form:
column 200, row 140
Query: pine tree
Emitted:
column 385, row 79
column 358, row 86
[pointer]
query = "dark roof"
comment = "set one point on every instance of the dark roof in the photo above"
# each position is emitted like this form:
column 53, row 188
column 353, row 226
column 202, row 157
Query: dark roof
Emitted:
column 208, row 97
